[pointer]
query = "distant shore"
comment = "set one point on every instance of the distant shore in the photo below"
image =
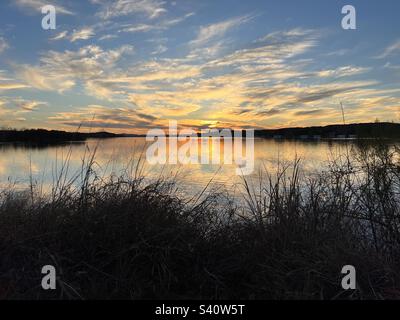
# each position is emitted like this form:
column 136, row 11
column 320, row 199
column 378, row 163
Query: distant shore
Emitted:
column 384, row 130
column 43, row 136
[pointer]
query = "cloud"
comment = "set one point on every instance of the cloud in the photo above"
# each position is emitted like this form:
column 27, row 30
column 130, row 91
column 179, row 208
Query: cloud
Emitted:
column 285, row 36
column 60, row 36
column 267, row 82
column 388, row 65
column 162, row 25
column 176, row 21
column 108, row 37
column 29, row 5
column 102, row 117
column 138, row 28
column 309, row 112
column 115, row 8
column 270, row 112
column 12, row 86
column 342, row 71
column 88, row 32
column 11, row 108
column 28, row 105
column 42, row 80
column 328, row 90
column 339, row 53
column 60, row 71
column 263, row 78
column 209, row 51
column 160, row 49
column 82, row 34
column 143, row 78
column 390, row 50
column 3, row 44
column 217, row 30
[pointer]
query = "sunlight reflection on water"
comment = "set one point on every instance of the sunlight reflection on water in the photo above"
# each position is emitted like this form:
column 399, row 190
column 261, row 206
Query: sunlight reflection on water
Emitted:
column 113, row 156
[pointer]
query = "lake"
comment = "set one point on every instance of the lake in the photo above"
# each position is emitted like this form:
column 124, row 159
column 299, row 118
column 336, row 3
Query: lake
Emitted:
column 113, row 156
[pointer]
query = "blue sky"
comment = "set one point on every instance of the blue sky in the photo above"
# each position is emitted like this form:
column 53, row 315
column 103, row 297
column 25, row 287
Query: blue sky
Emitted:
column 131, row 65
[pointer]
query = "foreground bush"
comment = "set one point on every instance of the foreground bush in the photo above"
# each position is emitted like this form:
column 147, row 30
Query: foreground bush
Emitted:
column 126, row 239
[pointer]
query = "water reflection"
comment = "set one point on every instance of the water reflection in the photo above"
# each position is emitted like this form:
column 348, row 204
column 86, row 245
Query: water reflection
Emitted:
column 114, row 156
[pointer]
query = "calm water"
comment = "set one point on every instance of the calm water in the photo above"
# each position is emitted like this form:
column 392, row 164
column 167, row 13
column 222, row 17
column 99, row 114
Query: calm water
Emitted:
column 114, row 156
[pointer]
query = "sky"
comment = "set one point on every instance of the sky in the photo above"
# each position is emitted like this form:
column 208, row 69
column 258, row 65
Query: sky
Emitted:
column 133, row 65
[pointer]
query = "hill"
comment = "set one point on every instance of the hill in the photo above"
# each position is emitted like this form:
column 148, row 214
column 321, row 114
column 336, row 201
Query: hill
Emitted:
column 358, row 130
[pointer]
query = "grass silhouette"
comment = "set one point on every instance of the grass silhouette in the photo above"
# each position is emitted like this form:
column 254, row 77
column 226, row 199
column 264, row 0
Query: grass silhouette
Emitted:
column 122, row 238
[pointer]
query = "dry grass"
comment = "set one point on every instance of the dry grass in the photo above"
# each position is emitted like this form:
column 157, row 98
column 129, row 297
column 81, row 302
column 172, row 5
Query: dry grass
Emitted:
column 120, row 238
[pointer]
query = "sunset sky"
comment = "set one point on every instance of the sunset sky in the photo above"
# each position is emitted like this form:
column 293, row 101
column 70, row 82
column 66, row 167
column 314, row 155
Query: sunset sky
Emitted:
column 131, row 65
